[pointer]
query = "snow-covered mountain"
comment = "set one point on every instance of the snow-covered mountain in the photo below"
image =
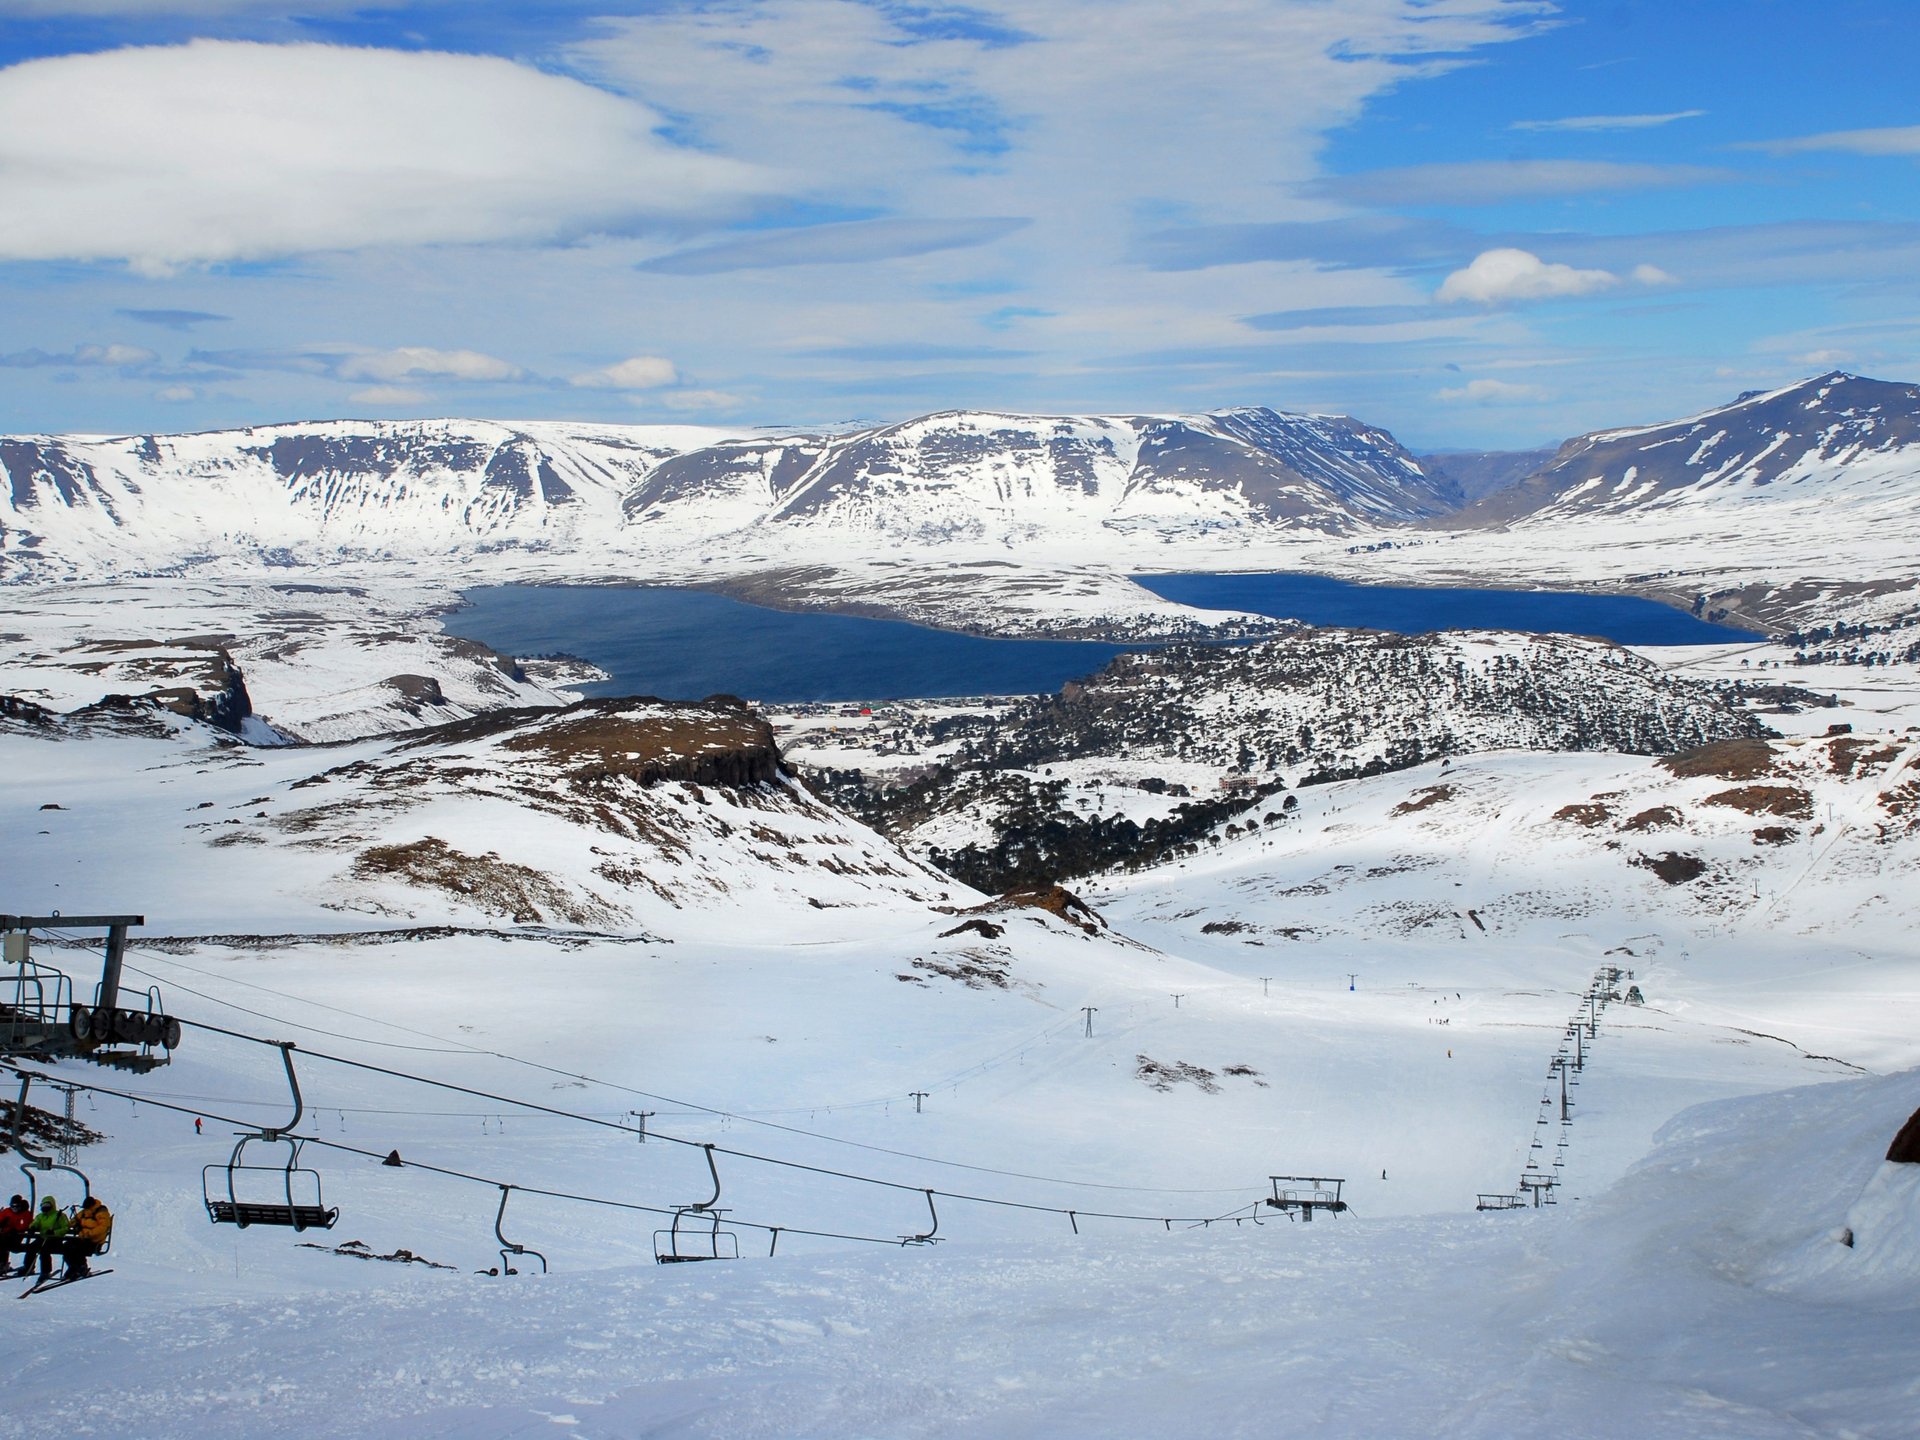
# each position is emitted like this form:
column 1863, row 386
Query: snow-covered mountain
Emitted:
column 301, row 493
column 1836, row 439
column 305, row 493
column 981, row 477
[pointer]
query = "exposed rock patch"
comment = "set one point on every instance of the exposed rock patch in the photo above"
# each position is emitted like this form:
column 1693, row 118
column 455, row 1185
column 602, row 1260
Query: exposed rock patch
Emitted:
column 1789, row 802
column 1738, row 759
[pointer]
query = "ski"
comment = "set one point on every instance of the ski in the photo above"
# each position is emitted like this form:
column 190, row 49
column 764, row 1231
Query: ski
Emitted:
column 45, row 1285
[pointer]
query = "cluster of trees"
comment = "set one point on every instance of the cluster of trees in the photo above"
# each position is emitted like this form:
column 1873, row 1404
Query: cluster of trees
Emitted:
column 1841, row 644
column 1041, row 837
column 1313, row 708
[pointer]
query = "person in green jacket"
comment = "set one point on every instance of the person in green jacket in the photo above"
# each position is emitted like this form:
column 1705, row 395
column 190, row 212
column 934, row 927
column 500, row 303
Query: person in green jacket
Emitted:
column 49, row 1228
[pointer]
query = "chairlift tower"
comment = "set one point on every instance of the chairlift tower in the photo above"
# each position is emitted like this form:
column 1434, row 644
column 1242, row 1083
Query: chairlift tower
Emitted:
column 40, row 1013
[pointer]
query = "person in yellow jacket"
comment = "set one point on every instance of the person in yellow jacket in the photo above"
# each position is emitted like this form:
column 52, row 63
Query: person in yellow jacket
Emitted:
column 88, row 1235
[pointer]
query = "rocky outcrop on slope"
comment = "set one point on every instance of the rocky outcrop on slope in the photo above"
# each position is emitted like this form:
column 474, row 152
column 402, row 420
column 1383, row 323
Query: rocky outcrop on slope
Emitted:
column 195, row 678
column 584, row 815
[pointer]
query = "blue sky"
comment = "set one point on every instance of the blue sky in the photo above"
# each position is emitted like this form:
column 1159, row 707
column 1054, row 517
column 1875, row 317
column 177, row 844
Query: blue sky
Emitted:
column 1479, row 223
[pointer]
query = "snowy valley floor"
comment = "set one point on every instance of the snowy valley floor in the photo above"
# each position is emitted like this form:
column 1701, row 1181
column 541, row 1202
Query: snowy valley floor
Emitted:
column 786, row 981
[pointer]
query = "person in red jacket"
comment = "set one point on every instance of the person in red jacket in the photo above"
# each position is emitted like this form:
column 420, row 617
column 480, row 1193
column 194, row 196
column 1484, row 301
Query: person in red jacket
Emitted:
column 14, row 1221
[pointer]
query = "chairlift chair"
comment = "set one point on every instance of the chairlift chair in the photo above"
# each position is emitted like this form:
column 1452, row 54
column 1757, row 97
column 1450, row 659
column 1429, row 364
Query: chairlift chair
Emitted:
column 680, row 1243
column 509, row 1250
column 1302, row 1195
column 241, row 1194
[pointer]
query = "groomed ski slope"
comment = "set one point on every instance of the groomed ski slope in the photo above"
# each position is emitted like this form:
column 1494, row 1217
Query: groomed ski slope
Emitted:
column 1703, row 1295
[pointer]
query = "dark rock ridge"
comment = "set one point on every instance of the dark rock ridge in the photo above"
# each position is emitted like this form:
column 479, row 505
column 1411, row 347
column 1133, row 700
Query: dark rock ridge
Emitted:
column 640, row 739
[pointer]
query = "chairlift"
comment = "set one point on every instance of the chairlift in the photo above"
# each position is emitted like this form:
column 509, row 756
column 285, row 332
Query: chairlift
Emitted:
column 507, row 1248
column 1499, row 1202
column 1302, row 1195
column 681, row 1242
column 33, row 1164
column 931, row 1236
column 287, row 1194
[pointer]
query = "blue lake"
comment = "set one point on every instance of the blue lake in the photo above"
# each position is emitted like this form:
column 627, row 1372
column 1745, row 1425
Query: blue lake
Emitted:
column 1414, row 610
column 688, row 644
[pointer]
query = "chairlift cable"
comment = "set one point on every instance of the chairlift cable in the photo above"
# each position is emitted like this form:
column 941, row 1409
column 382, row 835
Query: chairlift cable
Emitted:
column 671, row 1139
column 690, row 1106
column 453, row 1174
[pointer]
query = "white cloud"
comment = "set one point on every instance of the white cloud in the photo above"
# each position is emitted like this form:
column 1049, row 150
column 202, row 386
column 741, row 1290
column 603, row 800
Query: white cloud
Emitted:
column 115, row 355
column 386, row 395
column 856, row 242
column 1651, row 275
column 1824, row 359
column 1492, row 182
column 220, row 151
column 639, row 372
column 1498, row 276
column 1492, row 392
column 1587, row 123
column 1890, row 140
column 696, row 400
column 419, row 360
column 177, row 394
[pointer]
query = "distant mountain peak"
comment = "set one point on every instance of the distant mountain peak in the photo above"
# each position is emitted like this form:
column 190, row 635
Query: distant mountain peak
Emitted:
column 1828, row 435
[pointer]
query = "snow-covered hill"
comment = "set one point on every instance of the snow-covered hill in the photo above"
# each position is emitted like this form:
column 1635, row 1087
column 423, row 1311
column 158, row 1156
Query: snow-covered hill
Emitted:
column 794, row 1016
column 608, row 815
column 989, row 478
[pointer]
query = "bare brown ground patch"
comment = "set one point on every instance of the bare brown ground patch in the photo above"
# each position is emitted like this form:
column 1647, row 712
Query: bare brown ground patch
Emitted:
column 1851, row 755
column 1660, row 817
column 1589, row 814
column 499, row 887
column 1424, row 799
column 1672, row 867
column 1789, row 802
column 1723, row 760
